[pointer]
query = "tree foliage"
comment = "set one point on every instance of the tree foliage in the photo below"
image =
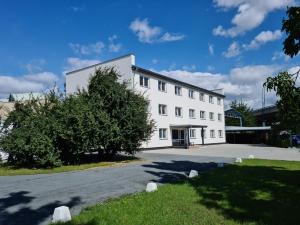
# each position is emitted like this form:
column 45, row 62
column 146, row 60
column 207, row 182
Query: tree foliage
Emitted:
column 246, row 112
column 284, row 84
column 107, row 118
column 291, row 26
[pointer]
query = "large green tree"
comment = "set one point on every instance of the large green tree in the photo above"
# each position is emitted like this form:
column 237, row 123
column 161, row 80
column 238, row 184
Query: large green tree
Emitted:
column 107, row 118
column 284, row 84
column 291, row 26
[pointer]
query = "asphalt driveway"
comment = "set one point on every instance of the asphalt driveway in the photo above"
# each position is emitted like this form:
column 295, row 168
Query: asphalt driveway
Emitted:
column 237, row 150
column 31, row 199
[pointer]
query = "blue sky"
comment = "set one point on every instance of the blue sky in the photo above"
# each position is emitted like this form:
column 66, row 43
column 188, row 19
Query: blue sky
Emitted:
column 231, row 44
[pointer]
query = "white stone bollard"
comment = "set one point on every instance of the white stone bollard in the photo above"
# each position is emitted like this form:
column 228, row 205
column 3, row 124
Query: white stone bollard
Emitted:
column 238, row 160
column 61, row 214
column 193, row 173
column 220, row 165
column 251, row 157
column 151, row 187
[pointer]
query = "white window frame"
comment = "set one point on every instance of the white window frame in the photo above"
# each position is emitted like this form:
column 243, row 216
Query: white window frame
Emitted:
column 178, row 90
column 211, row 116
column 160, row 85
column 204, row 116
column 160, row 109
column 142, row 81
column 163, row 133
column 212, row 134
column 202, row 97
column 192, row 116
column 180, row 110
column 211, row 99
column 191, row 94
column 192, row 131
column 220, row 132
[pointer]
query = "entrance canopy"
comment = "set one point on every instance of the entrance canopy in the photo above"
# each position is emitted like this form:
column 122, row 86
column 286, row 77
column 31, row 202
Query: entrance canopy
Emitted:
column 178, row 126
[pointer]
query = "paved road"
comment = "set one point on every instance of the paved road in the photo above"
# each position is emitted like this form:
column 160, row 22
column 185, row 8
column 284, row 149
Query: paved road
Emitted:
column 237, row 150
column 30, row 200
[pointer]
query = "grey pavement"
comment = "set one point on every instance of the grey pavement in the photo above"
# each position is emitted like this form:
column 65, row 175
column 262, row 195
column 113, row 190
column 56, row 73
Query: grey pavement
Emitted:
column 259, row 151
column 31, row 199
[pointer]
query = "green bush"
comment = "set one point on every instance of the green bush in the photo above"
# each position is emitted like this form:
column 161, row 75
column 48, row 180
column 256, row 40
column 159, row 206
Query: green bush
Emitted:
column 108, row 118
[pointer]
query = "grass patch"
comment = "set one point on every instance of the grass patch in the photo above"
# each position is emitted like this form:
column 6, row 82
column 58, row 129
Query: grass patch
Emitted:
column 255, row 192
column 7, row 170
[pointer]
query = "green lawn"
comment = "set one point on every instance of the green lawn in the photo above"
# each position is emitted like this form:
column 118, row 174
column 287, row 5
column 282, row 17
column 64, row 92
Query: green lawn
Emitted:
column 254, row 192
column 6, row 170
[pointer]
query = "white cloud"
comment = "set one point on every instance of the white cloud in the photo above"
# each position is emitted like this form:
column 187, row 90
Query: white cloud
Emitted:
column 89, row 49
column 233, row 50
column 114, row 47
column 26, row 83
column 262, row 38
column 152, row 34
column 241, row 83
column 280, row 55
column 189, row 67
column 171, row 37
column 154, row 61
column 76, row 8
column 211, row 49
column 77, row 63
column 250, row 14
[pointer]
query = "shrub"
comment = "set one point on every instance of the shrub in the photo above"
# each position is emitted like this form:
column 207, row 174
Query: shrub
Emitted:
column 108, row 118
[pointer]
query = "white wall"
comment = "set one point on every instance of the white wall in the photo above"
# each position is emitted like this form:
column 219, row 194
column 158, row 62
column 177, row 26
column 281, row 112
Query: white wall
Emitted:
column 79, row 79
column 171, row 100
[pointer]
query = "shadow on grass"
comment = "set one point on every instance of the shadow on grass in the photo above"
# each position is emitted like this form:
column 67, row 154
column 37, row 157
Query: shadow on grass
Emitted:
column 247, row 194
column 14, row 209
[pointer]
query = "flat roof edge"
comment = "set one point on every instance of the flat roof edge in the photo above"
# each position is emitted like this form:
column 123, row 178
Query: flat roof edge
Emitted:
column 100, row 63
column 139, row 69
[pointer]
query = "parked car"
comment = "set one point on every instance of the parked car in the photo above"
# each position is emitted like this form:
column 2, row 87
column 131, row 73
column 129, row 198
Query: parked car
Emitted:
column 296, row 140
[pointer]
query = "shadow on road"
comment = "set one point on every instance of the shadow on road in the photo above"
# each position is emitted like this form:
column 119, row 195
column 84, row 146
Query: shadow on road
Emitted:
column 20, row 213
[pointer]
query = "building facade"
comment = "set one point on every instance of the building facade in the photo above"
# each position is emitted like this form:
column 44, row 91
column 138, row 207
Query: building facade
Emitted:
column 184, row 114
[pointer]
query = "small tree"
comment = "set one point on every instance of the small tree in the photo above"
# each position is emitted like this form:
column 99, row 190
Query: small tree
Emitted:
column 11, row 98
column 284, row 84
column 246, row 112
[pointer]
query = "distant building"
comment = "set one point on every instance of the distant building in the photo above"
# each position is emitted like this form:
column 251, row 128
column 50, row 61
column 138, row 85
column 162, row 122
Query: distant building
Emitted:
column 266, row 116
column 185, row 114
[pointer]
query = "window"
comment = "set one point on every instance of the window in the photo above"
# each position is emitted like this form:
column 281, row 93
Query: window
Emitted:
column 178, row 111
column 212, row 134
column 191, row 94
column 202, row 115
column 192, row 113
column 219, row 101
column 202, row 97
column 162, row 133
column 144, row 81
column 220, row 133
column 211, row 99
column 178, row 90
column 219, row 116
column 211, row 116
column 204, row 133
column 192, row 133
column 162, row 86
column 162, row 109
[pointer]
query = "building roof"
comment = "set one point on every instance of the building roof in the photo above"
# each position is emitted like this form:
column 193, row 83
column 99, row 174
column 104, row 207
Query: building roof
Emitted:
column 237, row 128
column 265, row 110
column 161, row 76
column 233, row 113
column 187, row 126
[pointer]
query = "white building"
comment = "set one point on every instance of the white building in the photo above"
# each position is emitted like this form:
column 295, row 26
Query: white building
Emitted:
column 185, row 114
